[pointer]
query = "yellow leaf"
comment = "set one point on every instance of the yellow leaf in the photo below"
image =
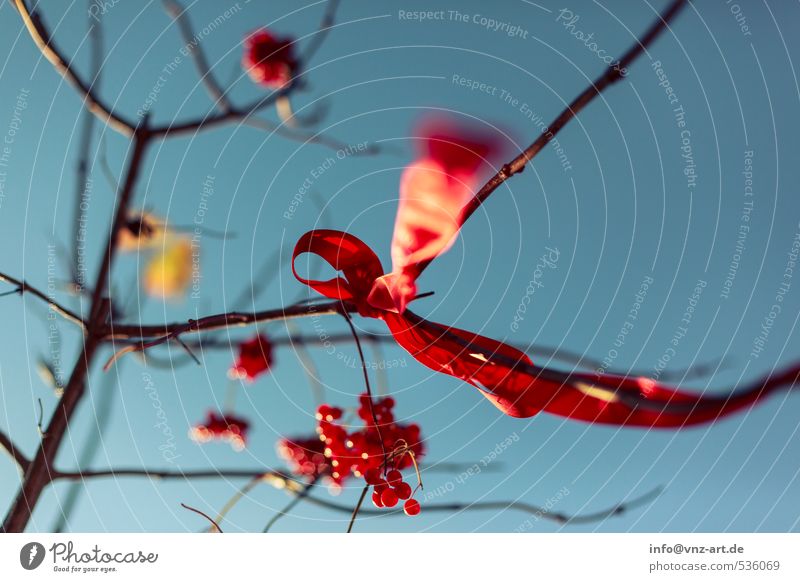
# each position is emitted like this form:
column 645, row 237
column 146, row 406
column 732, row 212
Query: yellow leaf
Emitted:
column 169, row 272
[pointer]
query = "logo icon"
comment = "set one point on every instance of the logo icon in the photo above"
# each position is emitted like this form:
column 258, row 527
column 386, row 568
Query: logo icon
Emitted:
column 31, row 555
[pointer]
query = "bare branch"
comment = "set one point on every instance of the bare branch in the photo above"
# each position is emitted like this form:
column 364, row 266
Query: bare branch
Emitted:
column 357, row 508
column 198, row 512
column 39, row 473
column 41, row 37
column 298, row 341
column 181, row 18
column 23, row 287
column 84, row 146
column 316, row 138
column 369, row 394
column 215, row 91
column 165, row 332
column 325, row 25
column 13, row 451
column 534, row 510
column 608, row 78
column 245, row 113
column 277, row 478
column 282, row 480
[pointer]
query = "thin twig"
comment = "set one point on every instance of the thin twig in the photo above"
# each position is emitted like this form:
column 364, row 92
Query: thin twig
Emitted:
column 165, row 332
column 197, row 511
column 39, row 474
column 356, row 509
column 94, row 103
column 40, row 419
column 181, row 18
column 244, row 113
column 317, row 138
column 611, row 75
column 240, row 493
column 220, row 99
column 282, row 480
column 366, row 383
column 102, row 412
column 23, row 287
column 14, row 452
column 82, row 174
column 694, row 371
column 538, row 512
column 189, row 351
column 278, row 478
column 324, row 28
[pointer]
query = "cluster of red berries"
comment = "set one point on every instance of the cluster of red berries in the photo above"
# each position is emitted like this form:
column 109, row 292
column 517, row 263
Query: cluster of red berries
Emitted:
column 305, row 456
column 387, row 492
column 255, row 358
column 381, row 444
column 268, row 59
column 221, row 427
column 381, row 448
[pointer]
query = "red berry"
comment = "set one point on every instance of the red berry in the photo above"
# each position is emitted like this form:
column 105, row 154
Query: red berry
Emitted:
column 403, row 490
column 381, row 486
column 372, row 476
column 389, row 498
column 394, row 478
column 411, row 507
column 376, row 499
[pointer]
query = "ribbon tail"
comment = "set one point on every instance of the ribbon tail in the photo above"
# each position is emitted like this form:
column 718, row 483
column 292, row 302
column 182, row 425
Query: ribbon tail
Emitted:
column 508, row 379
column 642, row 402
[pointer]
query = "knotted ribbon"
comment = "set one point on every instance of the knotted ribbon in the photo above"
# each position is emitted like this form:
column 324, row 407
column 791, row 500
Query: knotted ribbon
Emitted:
column 433, row 192
column 504, row 374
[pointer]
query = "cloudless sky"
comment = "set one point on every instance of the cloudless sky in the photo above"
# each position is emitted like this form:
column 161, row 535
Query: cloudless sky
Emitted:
column 620, row 211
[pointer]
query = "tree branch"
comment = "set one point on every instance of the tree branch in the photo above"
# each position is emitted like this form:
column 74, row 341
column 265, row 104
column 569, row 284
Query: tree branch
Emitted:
column 198, row 512
column 82, row 186
column 608, row 78
column 164, row 332
column 265, row 474
column 181, row 18
column 536, row 511
column 574, row 358
column 39, row 472
column 41, row 37
column 325, row 26
column 300, row 490
column 245, row 113
column 356, row 509
column 13, row 451
column 23, row 287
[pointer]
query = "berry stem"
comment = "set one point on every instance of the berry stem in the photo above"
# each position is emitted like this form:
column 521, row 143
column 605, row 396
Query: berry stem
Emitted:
column 357, row 508
column 198, row 512
column 366, row 383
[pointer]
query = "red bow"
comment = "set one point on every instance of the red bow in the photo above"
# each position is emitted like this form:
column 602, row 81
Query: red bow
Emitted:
column 505, row 375
column 433, row 193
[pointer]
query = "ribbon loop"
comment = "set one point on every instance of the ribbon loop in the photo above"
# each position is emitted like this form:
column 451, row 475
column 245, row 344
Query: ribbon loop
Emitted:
column 347, row 254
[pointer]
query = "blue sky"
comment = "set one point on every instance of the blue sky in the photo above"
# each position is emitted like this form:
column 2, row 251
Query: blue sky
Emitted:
column 640, row 198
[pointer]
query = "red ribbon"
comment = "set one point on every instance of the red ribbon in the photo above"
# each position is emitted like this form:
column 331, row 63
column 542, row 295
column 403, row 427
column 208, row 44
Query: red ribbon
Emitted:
column 505, row 375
